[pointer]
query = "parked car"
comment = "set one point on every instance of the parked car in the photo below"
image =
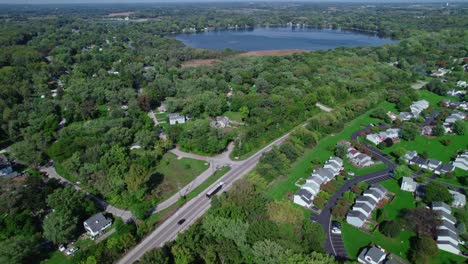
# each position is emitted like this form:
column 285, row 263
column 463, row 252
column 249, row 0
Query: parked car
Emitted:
column 71, row 251
column 336, row 227
column 336, row 230
column 62, row 248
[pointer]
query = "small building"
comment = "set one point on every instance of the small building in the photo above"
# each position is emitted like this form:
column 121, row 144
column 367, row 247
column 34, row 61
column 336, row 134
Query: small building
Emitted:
column 408, row 184
column 462, row 84
column 366, row 200
column 410, row 155
column 356, row 218
column 372, row 255
column 433, row 164
column 176, row 118
column 441, row 206
column 96, row 224
column 426, row 130
column 404, row 116
column 461, row 161
column 459, row 199
column 419, row 106
column 220, row 122
column 303, row 198
column 418, row 161
column 5, row 166
column 444, row 169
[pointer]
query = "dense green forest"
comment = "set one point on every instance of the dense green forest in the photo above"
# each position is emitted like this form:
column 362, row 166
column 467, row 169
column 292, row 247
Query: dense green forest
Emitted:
column 76, row 86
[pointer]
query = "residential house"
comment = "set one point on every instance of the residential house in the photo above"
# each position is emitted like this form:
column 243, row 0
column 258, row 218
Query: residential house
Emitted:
column 410, row 154
column 441, row 72
column 433, row 164
column 419, row 106
column 96, row 224
column 366, row 200
column 459, row 199
column 404, row 116
column 356, row 218
column 447, row 234
column 462, row 84
column 358, row 158
column 311, row 188
column 364, row 205
column 303, row 198
column 426, row 130
column 372, row 255
column 444, row 169
column 420, row 162
column 461, row 161
column 392, row 133
column 5, row 166
column 454, row 117
column 455, row 92
column 441, row 206
column 408, row 184
column 176, row 118
column 220, row 122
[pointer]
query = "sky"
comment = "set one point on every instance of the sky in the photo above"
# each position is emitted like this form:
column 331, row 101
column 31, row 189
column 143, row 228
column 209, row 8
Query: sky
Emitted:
column 192, row 1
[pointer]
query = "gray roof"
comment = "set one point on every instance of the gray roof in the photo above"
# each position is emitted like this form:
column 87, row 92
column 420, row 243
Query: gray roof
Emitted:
column 374, row 193
column 324, row 173
column 433, row 162
column 357, row 214
column 363, row 206
column 305, row 195
column 443, row 214
column 449, row 226
column 373, row 252
column 441, row 204
column 419, row 160
column 446, row 168
column 447, row 243
column 366, row 199
column 97, row 222
column 380, row 188
column 446, row 233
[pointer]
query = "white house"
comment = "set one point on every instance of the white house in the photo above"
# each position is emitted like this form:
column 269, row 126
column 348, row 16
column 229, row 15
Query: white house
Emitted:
column 441, row 206
column 311, row 187
column 459, row 199
column 96, row 224
column 461, row 161
column 176, row 118
column 356, row 218
column 462, row 84
column 372, row 255
column 410, row 155
column 303, row 198
column 419, row 106
column 408, row 184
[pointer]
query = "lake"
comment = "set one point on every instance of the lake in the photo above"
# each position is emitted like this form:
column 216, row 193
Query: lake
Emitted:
column 280, row 38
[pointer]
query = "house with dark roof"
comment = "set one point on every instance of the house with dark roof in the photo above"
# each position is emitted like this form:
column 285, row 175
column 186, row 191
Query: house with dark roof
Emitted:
column 433, row 164
column 363, row 208
column 366, row 200
column 420, row 162
column 441, row 206
column 176, row 118
column 444, row 169
column 373, row 255
column 303, row 198
column 96, row 224
column 364, row 205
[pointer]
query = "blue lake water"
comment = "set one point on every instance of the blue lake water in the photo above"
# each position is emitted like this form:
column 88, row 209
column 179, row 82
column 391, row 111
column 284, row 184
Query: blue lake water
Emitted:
column 280, row 38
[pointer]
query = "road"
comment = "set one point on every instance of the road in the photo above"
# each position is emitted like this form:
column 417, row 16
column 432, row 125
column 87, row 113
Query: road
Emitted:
column 324, row 107
column 193, row 209
column 334, row 244
column 125, row 215
column 216, row 162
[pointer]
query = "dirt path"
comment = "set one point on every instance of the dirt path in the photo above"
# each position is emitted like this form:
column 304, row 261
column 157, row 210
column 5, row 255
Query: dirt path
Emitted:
column 324, row 107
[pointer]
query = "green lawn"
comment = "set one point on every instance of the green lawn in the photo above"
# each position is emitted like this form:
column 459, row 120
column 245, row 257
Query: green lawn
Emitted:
column 434, row 99
column 355, row 240
column 236, row 116
column 432, row 145
column 154, row 219
column 177, row 173
column 324, row 149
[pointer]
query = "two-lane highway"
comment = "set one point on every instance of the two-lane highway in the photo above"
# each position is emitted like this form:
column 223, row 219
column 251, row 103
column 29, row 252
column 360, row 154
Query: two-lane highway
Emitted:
column 193, row 209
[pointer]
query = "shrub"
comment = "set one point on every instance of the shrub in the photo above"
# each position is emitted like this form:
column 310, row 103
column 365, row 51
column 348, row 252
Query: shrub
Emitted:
column 390, row 228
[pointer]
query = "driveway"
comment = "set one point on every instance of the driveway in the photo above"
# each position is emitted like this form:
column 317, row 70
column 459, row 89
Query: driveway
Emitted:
column 125, row 215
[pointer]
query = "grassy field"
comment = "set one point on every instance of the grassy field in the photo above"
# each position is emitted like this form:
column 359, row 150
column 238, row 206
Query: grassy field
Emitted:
column 434, row 99
column 236, row 116
column 324, row 149
column 153, row 219
column 355, row 240
column 177, row 173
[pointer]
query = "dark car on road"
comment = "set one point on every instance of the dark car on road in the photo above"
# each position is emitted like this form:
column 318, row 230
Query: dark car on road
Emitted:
column 181, row 221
